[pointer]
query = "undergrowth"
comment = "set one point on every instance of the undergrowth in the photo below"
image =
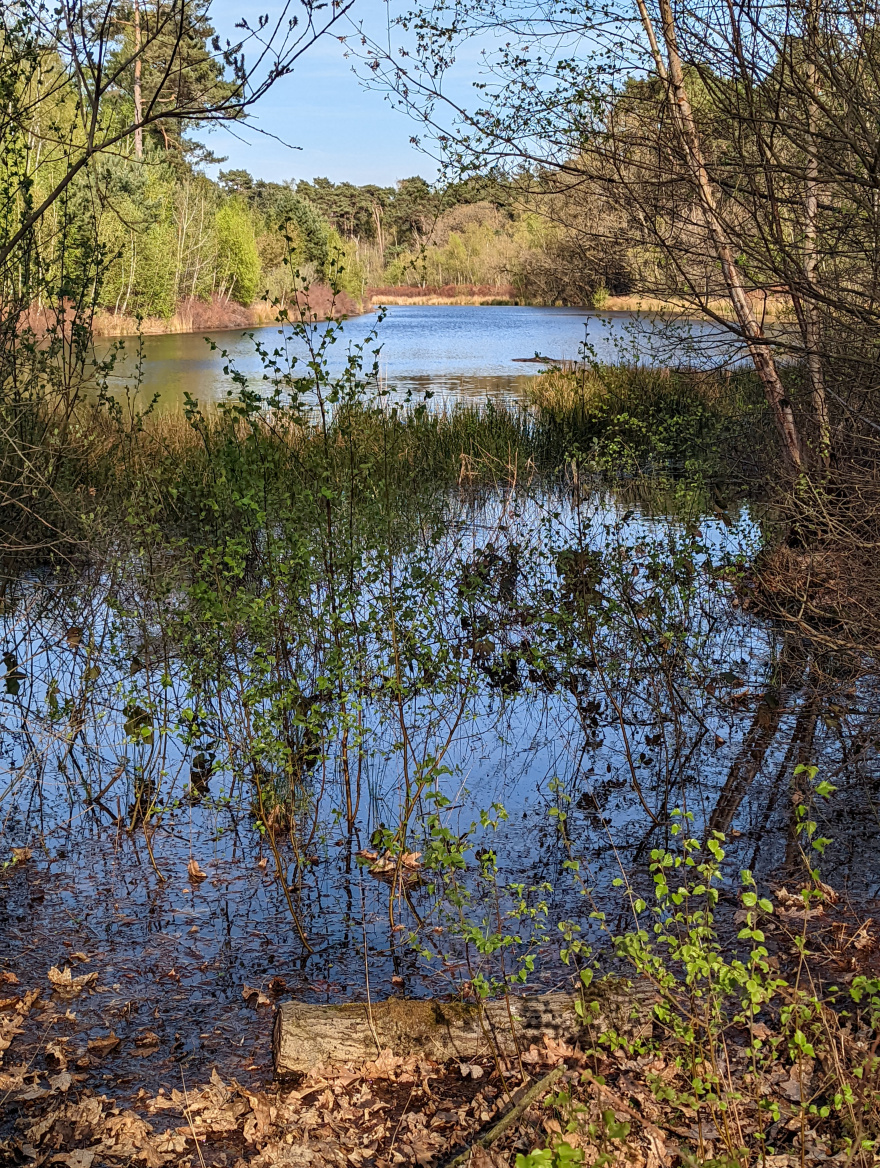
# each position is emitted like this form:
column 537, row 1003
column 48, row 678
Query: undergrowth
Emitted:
column 637, row 419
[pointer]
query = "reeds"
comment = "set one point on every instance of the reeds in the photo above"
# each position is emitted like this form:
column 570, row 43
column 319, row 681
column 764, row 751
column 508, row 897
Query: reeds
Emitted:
column 617, row 421
column 638, row 419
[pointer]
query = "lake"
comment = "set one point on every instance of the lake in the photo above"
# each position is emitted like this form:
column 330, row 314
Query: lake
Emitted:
column 454, row 352
column 215, row 725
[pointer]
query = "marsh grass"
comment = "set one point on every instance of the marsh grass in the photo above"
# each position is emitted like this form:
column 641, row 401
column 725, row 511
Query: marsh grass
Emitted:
column 624, row 423
column 637, row 419
column 175, row 469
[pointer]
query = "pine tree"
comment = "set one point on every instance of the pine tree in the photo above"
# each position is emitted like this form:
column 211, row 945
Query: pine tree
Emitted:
column 179, row 65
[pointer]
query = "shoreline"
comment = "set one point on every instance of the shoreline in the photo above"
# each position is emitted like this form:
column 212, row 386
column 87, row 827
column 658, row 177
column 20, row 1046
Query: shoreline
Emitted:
column 217, row 316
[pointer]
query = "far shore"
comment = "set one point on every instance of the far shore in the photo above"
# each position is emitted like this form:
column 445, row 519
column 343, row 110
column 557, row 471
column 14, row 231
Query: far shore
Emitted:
column 218, row 315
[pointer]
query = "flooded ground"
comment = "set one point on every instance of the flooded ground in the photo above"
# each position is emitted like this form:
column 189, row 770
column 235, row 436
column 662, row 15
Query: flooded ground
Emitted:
column 131, row 761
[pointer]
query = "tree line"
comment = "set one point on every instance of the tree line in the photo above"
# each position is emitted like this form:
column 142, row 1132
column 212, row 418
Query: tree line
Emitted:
column 722, row 156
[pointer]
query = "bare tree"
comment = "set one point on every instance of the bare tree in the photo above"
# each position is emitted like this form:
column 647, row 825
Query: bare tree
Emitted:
column 730, row 137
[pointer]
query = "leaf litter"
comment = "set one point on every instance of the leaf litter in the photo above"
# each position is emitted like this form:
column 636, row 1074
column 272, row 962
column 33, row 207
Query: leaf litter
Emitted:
column 389, row 1111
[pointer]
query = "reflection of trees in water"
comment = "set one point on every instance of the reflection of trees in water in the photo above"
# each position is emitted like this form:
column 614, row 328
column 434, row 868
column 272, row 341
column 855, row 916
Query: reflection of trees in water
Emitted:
column 602, row 673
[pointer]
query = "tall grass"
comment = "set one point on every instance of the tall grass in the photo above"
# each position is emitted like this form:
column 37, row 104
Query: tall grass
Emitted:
column 634, row 419
column 183, row 469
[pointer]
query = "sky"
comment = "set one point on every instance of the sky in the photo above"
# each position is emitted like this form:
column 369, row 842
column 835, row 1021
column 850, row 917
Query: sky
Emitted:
column 343, row 131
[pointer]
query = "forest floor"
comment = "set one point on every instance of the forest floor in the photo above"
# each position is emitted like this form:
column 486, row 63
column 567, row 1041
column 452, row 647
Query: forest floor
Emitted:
column 67, row 1095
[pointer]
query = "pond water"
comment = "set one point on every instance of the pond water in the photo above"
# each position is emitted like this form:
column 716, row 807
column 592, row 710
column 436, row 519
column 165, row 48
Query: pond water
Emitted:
column 567, row 668
column 660, row 694
column 454, row 352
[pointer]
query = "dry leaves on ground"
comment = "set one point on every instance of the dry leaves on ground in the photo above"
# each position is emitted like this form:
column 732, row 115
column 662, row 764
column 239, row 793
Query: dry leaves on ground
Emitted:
column 63, row 981
column 11, row 1017
column 254, row 996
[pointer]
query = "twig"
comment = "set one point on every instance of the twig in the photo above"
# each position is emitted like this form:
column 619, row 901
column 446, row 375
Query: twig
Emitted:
column 509, row 1117
column 400, row 1121
column 367, row 981
column 188, row 1114
column 620, row 1104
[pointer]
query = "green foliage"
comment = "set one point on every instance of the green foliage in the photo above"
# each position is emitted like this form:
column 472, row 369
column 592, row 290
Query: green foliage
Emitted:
column 238, row 259
column 177, row 65
column 631, row 420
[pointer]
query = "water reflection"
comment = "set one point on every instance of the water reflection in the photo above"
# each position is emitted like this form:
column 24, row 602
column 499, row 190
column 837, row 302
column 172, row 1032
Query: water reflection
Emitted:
column 657, row 693
column 455, row 353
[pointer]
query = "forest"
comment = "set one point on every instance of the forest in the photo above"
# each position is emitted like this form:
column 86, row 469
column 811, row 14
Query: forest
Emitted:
column 405, row 767
column 238, row 239
column 245, row 241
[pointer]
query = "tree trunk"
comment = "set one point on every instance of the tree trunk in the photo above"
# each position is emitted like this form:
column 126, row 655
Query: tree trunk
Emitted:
column 811, row 263
column 138, row 103
column 306, row 1035
column 752, row 333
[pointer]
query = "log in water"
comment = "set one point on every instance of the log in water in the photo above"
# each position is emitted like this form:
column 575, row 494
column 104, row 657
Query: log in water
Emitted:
column 351, row 1033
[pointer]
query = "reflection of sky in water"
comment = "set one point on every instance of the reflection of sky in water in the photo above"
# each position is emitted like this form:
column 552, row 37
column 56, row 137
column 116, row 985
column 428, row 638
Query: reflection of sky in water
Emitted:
column 452, row 351
column 97, row 887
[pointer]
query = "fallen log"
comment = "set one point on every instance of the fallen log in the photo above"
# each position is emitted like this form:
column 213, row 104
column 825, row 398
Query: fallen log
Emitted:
column 355, row 1032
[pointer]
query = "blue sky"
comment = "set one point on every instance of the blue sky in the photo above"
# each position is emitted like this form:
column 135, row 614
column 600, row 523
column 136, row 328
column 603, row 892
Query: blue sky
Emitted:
column 344, row 132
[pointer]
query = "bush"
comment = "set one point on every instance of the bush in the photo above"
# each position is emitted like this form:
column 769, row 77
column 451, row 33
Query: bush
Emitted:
column 631, row 419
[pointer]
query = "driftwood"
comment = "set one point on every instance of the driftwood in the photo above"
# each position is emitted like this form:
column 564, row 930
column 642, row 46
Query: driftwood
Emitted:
column 352, row 1033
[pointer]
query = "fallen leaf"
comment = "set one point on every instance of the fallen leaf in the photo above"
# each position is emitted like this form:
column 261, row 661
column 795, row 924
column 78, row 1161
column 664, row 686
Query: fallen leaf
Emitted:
column 861, row 938
column 383, row 1067
column 195, row 872
column 704, row 1130
column 558, row 1050
column 445, row 1118
column 55, row 1050
column 480, row 1157
column 407, row 865
column 103, row 1046
column 22, row 855
column 8, row 978
column 80, row 1158
column 254, row 996
column 61, row 1082
column 64, row 982
column 470, row 1069
column 830, row 895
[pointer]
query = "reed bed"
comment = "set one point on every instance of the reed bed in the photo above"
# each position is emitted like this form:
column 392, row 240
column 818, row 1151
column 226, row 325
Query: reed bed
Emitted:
column 74, row 473
column 637, row 419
